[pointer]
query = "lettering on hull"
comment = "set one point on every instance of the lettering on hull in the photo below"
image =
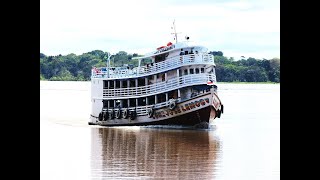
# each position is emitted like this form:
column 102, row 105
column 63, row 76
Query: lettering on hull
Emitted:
column 215, row 102
column 181, row 108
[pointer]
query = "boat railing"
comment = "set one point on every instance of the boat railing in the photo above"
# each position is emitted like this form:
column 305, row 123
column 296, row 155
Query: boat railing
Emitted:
column 160, row 105
column 142, row 110
column 170, row 84
column 153, row 68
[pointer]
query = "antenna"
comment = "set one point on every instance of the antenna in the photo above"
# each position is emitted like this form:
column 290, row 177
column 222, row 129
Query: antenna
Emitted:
column 175, row 32
column 108, row 62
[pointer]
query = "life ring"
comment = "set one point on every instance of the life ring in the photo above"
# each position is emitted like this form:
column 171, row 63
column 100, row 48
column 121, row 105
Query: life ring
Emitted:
column 218, row 113
column 150, row 112
column 105, row 116
column 125, row 113
column 111, row 115
column 100, row 116
column 118, row 115
column 172, row 105
column 133, row 115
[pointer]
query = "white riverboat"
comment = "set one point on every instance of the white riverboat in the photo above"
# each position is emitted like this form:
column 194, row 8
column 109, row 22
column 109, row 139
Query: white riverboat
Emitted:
column 178, row 87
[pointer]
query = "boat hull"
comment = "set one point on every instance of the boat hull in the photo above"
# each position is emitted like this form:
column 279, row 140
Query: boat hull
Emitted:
column 197, row 110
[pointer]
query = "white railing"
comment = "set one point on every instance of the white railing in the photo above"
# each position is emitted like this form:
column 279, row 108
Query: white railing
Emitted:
column 141, row 110
column 157, row 88
column 153, row 68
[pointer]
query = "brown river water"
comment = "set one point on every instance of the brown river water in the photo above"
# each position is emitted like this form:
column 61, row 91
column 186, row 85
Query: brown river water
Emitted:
column 243, row 144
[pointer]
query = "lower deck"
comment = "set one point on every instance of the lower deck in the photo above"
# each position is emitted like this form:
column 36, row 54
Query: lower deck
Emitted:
column 189, row 119
column 198, row 109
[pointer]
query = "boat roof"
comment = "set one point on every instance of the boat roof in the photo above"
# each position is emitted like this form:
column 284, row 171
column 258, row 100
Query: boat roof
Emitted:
column 170, row 48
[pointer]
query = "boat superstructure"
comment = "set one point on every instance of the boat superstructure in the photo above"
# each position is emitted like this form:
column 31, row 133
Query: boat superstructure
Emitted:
column 177, row 87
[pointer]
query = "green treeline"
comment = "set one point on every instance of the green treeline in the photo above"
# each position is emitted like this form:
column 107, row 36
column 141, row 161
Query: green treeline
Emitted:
column 247, row 70
column 74, row 67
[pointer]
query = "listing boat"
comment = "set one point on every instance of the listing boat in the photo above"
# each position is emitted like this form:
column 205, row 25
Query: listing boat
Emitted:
column 178, row 87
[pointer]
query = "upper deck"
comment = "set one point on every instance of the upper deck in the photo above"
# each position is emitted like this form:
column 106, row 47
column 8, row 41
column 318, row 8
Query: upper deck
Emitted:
column 173, row 57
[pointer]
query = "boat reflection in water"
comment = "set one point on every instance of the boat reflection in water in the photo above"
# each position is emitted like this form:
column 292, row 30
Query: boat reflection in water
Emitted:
column 153, row 153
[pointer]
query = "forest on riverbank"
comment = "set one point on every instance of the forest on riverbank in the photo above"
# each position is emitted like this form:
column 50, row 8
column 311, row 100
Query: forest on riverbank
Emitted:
column 74, row 67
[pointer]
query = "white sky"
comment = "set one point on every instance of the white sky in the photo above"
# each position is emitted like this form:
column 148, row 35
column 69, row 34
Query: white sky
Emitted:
column 235, row 27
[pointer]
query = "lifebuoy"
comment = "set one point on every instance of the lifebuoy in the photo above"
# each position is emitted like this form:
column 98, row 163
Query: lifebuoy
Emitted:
column 218, row 114
column 105, row 116
column 150, row 112
column 132, row 115
column 118, row 115
column 111, row 115
column 125, row 113
column 100, row 116
column 172, row 105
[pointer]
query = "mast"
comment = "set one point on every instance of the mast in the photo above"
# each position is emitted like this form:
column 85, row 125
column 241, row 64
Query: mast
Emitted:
column 139, row 66
column 175, row 32
column 108, row 64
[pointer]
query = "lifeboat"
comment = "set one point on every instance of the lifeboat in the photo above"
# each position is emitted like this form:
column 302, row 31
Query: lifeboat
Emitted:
column 161, row 47
column 169, row 44
column 210, row 83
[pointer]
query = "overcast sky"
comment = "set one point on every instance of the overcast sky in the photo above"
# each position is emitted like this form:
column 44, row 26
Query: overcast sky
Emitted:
column 237, row 28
